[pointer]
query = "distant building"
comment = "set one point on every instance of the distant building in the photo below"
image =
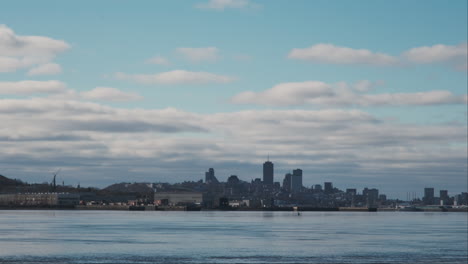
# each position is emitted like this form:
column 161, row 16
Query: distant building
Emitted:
column 351, row 192
column 39, row 199
column 177, row 198
column 296, row 180
column 428, row 196
column 318, row 187
column 287, row 182
column 233, row 179
column 328, row 187
column 210, row 176
column 444, row 198
column 371, row 196
column 268, row 171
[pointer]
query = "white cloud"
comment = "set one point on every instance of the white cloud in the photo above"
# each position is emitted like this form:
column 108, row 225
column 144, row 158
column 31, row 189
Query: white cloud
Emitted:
column 32, row 87
column 225, row 4
column 366, row 85
column 454, row 55
column 159, row 60
column 109, row 94
column 342, row 94
column 18, row 52
column 329, row 53
column 176, row 77
column 209, row 54
column 331, row 143
column 45, row 69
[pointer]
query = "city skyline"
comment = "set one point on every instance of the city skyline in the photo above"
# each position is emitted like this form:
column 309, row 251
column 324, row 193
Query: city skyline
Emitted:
column 161, row 91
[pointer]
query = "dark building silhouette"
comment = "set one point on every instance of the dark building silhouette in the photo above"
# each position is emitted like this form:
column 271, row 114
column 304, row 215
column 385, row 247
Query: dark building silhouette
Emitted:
column 268, row 173
column 210, row 176
column 351, row 191
column 328, row 187
column 371, row 196
column 296, row 180
column 444, row 198
column 318, row 187
column 428, row 196
column 233, row 179
column 287, row 182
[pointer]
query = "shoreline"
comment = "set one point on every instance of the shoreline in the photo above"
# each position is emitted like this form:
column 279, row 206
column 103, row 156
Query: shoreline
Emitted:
column 278, row 209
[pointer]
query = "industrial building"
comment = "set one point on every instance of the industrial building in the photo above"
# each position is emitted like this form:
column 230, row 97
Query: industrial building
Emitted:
column 177, row 198
column 39, row 199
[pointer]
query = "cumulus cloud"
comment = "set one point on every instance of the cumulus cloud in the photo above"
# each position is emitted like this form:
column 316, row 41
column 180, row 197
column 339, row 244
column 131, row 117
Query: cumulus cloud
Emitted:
column 209, row 54
column 46, row 69
column 175, row 77
column 159, row 60
column 109, row 94
column 329, row 53
column 342, row 94
column 17, row 52
column 221, row 5
column 453, row 55
column 32, row 87
column 456, row 55
column 325, row 143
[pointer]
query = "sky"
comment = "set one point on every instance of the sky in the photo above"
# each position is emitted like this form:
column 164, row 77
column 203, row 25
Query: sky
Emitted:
column 359, row 93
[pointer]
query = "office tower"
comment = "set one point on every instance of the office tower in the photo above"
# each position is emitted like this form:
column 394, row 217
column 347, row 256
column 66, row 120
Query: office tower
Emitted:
column 428, row 196
column 210, row 176
column 351, row 192
column 318, row 187
column 296, row 180
column 371, row 196
column 268, row 173
column 444, row 198
column 287, row 182
column 328, row 187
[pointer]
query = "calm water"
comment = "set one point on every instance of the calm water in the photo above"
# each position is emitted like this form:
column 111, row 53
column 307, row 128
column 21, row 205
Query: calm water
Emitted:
column 232, row 237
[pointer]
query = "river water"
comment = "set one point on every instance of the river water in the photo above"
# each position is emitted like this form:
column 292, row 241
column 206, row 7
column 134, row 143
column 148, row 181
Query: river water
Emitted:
column 232, row 237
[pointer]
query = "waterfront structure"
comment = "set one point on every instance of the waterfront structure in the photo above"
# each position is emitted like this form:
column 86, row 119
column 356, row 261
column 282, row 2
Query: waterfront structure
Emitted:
column 39, row 199
column 296, row 180
column 177, row 198
column 268, row 173
column 428, row 196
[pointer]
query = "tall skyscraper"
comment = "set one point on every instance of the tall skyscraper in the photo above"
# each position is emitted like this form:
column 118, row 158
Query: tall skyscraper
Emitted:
column 428, row 196
column 444, row 198
column 328, row 187
column 268, row 173
column 210, row 176
column 287, row 182
column 296, row 180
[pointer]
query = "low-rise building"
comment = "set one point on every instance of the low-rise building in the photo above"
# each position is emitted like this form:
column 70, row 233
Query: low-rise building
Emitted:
column 39, row 199
column 177, row 198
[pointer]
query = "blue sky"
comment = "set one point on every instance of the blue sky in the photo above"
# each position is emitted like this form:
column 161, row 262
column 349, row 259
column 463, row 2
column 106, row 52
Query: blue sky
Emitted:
column 376, row 88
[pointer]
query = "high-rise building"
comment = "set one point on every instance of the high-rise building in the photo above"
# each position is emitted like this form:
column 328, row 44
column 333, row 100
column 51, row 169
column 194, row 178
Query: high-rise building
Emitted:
column 296, row 180
column 428, row 196
column 351, row 192
column 268, row 173
column 371, row 196
column 328, row 187
column 287, row 182
column 444, row 198
column 210, row 176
